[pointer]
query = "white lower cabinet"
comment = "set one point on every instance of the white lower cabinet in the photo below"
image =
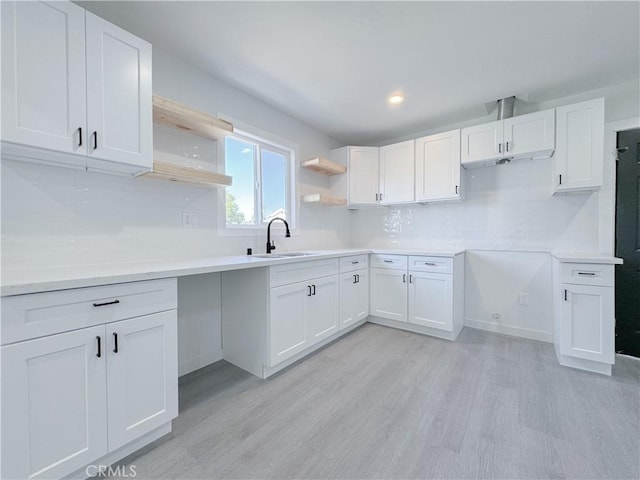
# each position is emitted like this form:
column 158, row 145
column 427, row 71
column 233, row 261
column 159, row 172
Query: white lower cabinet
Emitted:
column 287, row 326
column 419, row 293
column 70, row 398
column 587, row 330
column 354, row 297
column 584, row 323
column 301, row 314
column 142, row 376
column 389, row 294
column 430, row 300
column 54, row 404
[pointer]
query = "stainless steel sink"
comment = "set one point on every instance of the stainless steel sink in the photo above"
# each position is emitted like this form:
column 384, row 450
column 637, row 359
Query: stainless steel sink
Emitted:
column 283, row 255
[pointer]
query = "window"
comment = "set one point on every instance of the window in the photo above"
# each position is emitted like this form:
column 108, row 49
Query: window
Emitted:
column 261, row 187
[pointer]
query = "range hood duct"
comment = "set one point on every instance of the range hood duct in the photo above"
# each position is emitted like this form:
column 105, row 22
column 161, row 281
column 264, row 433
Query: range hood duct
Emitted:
column 505, row 107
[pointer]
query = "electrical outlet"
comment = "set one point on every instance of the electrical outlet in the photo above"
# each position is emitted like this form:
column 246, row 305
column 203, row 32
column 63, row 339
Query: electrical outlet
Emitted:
column 524, row 298
column 496, row 316
column 190, row 220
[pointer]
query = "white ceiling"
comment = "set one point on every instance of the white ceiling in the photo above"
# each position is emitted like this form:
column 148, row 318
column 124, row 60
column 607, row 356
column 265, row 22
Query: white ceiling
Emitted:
column 331, row 64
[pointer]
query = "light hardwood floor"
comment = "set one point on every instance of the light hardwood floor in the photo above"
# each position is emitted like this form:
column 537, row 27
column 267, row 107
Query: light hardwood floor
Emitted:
column 382, row 403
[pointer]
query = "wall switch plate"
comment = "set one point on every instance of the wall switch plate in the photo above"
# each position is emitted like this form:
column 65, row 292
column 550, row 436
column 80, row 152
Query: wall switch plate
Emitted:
column 190, row 220
column 524, row 299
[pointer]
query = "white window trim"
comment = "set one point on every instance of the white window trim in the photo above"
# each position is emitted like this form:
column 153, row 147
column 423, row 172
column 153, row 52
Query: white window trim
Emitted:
column 280, row 143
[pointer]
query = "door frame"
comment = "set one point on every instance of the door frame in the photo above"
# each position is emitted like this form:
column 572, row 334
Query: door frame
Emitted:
column 608, row 193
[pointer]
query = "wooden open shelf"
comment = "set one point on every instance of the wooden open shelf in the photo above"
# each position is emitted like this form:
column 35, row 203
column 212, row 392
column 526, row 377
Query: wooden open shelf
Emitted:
column 176, row 115
column 322, row 165
column 321, row 199
column 178, row 173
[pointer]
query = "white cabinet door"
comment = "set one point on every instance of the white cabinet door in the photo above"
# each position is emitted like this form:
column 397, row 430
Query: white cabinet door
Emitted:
column 431, row 300
column 142, row 375
column 579, row 146
column 43, row 75
column 354, row 297
column 481, row 142
column 119, row 97
column 389, row 294
column 363, row 175
column 322, row 309
column 397, row 163
column 54, row 412
column 530, row 136
column 438, row 167
column 287, row 325
column 587, row 323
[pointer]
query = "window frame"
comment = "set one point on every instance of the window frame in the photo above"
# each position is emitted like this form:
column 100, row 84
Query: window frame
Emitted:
column 267, row 142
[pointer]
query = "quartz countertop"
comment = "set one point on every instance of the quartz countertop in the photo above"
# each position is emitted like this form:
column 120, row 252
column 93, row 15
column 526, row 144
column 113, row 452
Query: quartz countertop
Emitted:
column 578, row 257
column 34, row 280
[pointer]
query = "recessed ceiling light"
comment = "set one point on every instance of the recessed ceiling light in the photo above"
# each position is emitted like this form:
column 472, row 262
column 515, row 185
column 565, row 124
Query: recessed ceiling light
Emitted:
column 395, row 99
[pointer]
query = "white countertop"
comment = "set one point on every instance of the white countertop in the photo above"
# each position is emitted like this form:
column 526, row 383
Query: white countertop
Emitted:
column 18, row 282
column 577, row 257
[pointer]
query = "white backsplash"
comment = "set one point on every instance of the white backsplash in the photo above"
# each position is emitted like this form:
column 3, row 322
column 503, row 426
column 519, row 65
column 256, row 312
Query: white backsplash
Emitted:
column 506, row 207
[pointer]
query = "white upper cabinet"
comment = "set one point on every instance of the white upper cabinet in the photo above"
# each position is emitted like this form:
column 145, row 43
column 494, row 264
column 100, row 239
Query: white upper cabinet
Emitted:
column 481, row 143
column 76, row 90
column 364, row 179
column 397, row 173
column 437, row 171
column 43, row 75
column 119, row 100
column 530, row 136
column 524, row 136
column 578, row 162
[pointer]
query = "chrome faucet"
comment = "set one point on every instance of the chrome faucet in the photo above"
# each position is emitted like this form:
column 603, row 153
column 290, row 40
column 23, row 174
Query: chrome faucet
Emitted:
column 270, row 243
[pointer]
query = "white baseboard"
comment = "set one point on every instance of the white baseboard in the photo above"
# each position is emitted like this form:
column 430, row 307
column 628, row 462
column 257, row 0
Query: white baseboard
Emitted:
column 509, row 330
column 192, row 364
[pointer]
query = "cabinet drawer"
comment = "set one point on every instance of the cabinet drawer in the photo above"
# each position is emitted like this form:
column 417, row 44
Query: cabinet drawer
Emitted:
column 395, row 262
column 431, row 264
column 356, row 262
column 587, row 274
column 39, row 314
column 301, row 271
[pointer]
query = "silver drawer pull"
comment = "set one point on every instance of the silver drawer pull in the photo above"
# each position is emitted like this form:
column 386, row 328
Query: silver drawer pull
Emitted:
column 354, row 263
column 388, row 261
column 591, row 274
column 431, row 264
column 114, row 302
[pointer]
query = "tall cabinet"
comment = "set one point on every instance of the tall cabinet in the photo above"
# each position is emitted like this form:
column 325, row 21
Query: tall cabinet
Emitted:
column 76, row 89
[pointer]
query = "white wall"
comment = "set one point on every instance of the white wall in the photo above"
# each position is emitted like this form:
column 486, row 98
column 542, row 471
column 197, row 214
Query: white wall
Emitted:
column 508, row 217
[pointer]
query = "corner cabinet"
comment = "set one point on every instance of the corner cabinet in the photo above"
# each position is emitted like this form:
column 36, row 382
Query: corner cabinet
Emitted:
column 87, row 103
column 363, row 177
column 437, row 176
column 69, row 398
column 579, row 158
